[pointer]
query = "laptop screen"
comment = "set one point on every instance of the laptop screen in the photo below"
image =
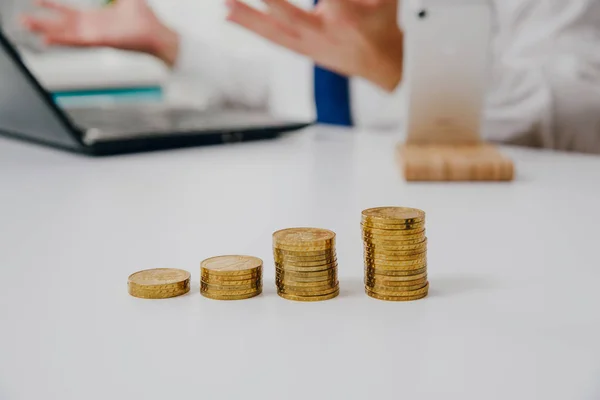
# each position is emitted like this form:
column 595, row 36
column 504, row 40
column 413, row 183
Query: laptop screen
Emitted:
column 26, row 109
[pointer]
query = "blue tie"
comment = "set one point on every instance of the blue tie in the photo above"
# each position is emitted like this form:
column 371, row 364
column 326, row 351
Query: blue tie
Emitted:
column 332, row 97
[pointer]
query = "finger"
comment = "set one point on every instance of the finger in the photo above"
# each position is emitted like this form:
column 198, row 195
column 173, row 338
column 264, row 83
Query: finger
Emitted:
column 263, row 25
column 51, row 5
column 292, row 15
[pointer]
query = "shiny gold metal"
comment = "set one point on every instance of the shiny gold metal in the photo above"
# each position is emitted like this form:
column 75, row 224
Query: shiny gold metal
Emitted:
column 324, row 274
column 376, row 241
column 389, row 215
column 393, row 248
column 370, row 270
column 232, row 265
column 230, row 297
column 303, row 238
column 397, row 290
column 226, row 287
column 304, row 255
column 288, row 267
column 387, row 291
column 404, row 265
column 366, row 224
column 306, row 263
column 228, row 281
column 395, row 298
column 309, row 298
column 160, row 283
column 395, row 280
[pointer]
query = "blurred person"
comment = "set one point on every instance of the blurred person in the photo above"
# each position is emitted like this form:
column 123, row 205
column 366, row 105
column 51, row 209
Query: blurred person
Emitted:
column 212, row 76
column 544, row 90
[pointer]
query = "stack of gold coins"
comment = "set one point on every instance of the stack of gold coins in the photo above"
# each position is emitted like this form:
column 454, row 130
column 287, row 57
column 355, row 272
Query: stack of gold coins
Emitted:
column 231, row 277
column 395, row 252
column 305, row 264
column 160, row 283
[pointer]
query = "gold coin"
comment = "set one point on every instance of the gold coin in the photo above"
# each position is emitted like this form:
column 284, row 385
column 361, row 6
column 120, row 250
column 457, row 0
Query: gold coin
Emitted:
column 418, row 246
column 394, row 298
column 288, row 267
column 232, row 265
column 393, row 234
column 405, row 293
column 168, row 287
column 230, row 297
column 373, row 251
column 160, row 283
column 309, row 298
column 306, row 286
column 327, row 257
column 402, row 226
column 400, row 262
column 393, row 241
column 375, row 241
column 157, row 294
column 317, row 285
column 233, row 292
column 378, row 257
column 304, row 254
column 304, row 291
column 393, row 273
column 305, row 249
column 397, row 290
column 393, row 280
column 382, row 282
column 304, row 238
column 230, row 280
column 396, row 261
column 386, row 269
column 306, row 275
column 284, row 277
column 212, row 286
column 389, row 215
column 306, row 263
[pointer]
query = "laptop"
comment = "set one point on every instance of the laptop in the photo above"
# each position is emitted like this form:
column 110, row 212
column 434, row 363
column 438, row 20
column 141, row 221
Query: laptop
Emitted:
column 29, row 112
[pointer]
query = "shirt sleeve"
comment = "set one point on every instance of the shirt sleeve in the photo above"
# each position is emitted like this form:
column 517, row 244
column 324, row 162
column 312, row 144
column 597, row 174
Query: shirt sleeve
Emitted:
column 209, row 77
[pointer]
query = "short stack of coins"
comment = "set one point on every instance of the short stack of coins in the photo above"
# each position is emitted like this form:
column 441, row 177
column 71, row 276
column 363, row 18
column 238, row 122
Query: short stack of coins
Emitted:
column 395, row 253
column 159, row 283
column 231, row 277
column 305, row 264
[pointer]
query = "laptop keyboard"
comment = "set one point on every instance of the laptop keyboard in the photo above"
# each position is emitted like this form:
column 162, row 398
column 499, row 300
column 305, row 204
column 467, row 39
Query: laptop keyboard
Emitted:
column 147, row 120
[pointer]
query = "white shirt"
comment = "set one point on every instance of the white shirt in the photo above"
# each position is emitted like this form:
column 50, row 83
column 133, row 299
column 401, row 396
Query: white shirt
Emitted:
column 545, row 87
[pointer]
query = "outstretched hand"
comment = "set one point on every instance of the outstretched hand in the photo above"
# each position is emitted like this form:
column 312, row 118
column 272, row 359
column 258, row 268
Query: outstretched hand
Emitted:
column 352, row 37
column 126, row 24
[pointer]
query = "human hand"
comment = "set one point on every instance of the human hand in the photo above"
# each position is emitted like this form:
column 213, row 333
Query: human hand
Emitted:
column 351, row 37
column 126, row 24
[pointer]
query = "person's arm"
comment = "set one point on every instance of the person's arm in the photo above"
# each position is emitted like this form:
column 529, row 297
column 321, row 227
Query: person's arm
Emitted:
column 352, row 37
column 126, row 25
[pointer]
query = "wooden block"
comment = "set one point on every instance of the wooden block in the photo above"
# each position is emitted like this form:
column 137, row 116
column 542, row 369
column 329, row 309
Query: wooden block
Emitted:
column 475, row 162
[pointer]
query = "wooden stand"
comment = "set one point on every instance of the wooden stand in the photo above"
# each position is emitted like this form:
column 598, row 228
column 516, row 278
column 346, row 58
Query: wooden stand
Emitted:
column 477, row 162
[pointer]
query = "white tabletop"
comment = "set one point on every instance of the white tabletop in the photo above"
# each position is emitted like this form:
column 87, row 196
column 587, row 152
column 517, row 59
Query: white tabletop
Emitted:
column 513, row 312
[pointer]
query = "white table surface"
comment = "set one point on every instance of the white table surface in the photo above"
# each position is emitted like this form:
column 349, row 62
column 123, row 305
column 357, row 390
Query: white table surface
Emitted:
column 513, row 313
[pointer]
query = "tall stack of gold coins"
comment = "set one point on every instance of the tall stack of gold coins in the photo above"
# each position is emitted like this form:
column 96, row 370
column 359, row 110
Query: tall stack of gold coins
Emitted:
column 231, row 277
column 395, row 253
column 305, row 264
column 160, row 283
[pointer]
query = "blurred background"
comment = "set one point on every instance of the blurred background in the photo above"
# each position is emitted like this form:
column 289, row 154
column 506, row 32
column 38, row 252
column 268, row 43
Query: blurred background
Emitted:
column 76, row 76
